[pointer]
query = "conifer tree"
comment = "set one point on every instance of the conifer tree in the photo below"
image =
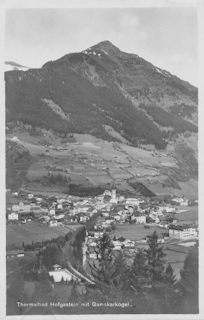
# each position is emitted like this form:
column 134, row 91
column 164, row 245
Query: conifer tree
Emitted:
column 74, row 295
column 120, row 285
column 104, row 272
column 43, row 288
column 158, row 290
column 15, row 293
column 170, row 277
column 138, row 274
column 188, row 284
column 155, row 257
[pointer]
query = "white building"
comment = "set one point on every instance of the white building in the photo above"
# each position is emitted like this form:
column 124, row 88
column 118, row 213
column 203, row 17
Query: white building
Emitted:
column 61, row 216
column 101, row 205
column 24, row 208
column 132, row 201
column 93, row 244
column 52, row 212
column 20, row 254
column 93, row 255
column 105, row 214
column 113, row 197
column 30, row 196
column 109, row 221
column 121, row 199
column 84, row 218
column 165, row 209
column 53, row 223
column 181, row 201
column 98, row 234
column 62, row 274
column 80, row 208
column 107, row 193
column 57, row 267
column 141, row 218
column 117, row 217
column 128, row 243
column 13, row 216
column 15, row 207
column 117, row 245
column 183, row 232
column 60, row 200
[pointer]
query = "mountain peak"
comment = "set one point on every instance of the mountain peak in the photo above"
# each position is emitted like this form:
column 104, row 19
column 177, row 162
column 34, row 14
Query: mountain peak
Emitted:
column 107, row 46
column 106, row 43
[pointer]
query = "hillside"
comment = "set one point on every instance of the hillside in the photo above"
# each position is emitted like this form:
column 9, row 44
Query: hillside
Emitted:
column 86, row 166
column 18, row 160
column 102, row 87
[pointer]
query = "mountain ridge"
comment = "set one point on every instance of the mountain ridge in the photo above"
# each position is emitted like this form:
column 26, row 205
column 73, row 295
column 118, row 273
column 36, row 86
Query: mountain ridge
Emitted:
column 101, row 86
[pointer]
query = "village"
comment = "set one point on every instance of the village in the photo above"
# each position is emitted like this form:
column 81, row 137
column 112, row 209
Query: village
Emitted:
column 112, row 213
column 129, row 222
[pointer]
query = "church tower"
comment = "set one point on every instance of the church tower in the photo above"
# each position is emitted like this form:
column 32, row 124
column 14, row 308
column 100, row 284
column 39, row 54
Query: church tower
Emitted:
column 113, row 196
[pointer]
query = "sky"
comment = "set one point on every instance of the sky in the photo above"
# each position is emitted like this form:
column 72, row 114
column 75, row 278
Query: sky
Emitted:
column 166, row 37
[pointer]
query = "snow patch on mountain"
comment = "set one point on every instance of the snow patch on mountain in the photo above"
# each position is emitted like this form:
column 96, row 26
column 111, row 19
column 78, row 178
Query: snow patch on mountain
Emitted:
column 12, row 66
column 158, row 70
column 104, row 51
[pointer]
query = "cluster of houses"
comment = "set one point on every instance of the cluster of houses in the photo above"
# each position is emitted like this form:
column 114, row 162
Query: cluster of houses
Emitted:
column 117, row 244
column 39, row 208
column 113, row 209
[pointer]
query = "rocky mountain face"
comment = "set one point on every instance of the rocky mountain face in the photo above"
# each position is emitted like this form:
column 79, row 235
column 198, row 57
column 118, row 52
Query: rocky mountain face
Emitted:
column 102, row 86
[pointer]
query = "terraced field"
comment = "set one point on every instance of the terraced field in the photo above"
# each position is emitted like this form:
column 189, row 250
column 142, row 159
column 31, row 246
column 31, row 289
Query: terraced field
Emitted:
column 92, row 162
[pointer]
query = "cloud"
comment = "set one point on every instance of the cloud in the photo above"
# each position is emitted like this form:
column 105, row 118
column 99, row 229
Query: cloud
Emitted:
column 130, row 21
column 131, row 24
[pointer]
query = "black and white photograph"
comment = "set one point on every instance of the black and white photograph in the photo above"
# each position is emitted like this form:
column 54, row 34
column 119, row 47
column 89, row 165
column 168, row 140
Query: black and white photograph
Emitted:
column 101, row 159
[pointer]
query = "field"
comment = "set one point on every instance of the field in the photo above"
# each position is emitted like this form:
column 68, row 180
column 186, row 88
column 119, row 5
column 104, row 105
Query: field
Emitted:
column 93, row 162
column 34, row 232
column 147, row 158
column 176, row 257
column 37, row 171
column 136, row 231
column 190, row 214
column 45, row 191
column 189, row 188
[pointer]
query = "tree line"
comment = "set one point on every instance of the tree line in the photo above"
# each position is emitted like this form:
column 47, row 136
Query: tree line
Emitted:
column 148, row 285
